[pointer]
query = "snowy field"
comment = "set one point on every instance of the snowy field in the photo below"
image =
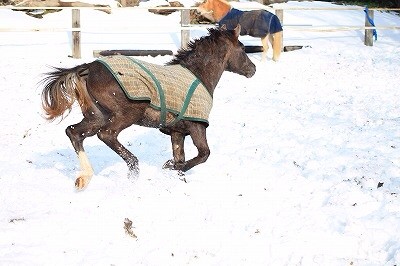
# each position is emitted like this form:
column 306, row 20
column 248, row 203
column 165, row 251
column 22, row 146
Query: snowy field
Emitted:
column 304, row 166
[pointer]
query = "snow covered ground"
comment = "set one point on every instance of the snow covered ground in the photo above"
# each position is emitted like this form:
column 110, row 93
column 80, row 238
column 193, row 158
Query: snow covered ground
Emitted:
column 304, row 166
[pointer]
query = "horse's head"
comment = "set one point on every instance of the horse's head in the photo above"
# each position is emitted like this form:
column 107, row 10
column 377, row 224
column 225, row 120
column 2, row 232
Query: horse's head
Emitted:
column 238, row 61
column 206, row 10
column 214, row 10
column 209, row 56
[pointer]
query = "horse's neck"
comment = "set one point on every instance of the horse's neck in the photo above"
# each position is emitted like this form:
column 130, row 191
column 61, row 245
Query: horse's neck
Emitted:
column 220, row 9
column 208, row 73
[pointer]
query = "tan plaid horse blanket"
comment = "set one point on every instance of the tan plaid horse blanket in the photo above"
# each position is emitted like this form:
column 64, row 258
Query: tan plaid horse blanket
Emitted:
column 168, row 88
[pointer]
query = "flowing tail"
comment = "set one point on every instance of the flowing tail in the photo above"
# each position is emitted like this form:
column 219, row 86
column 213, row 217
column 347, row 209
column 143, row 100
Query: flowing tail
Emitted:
column 62, row 87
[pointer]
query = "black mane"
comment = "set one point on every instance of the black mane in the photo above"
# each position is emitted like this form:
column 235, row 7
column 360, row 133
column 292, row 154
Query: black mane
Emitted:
column 208, row 40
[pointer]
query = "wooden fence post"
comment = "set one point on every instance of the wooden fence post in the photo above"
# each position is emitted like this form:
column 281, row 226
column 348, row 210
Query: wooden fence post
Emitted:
column 279, row 14
column 76, row 35
column 185, row 34
column 369, row 33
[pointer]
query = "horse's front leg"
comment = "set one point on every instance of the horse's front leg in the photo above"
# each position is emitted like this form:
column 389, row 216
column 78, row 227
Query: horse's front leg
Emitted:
column 198, row 135
column 178, row 151
column 264, row 42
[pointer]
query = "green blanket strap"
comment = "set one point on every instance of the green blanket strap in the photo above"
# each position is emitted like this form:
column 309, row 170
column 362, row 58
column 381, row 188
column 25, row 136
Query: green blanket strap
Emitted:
column 188, row 97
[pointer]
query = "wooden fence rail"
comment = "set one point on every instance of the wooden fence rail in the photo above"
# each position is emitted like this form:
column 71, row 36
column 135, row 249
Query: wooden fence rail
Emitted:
column 185, row 26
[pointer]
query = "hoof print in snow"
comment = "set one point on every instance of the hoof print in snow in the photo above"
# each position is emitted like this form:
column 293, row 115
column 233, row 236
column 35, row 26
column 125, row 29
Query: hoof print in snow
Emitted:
column 17, row 220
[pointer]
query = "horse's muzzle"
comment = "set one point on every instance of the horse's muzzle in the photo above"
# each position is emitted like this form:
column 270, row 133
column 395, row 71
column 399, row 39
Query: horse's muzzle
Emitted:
column 251, row 72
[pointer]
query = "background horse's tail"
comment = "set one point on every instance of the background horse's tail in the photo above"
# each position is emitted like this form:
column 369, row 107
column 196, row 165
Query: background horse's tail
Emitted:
column 62, row 88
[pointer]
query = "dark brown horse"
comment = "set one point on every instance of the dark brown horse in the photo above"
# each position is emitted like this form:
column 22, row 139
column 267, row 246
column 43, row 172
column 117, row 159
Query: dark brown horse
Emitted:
column 107, row 110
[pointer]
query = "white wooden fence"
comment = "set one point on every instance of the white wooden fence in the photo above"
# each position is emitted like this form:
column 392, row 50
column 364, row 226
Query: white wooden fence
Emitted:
column 186, row 26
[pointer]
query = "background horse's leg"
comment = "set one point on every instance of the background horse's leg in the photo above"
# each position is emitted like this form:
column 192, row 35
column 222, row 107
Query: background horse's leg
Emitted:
column 198, row 135
column 77, row 133
column 276, row 41
column 264, row 42
column 109, row 135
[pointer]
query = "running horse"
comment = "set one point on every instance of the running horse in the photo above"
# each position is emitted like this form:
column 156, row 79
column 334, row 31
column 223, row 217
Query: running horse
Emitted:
column 108, row 107
column 255, row 23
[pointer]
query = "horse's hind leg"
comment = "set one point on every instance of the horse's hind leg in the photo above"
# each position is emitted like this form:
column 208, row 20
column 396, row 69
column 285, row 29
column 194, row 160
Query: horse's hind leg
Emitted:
column 109, row 135
column 276, row 41
column 89, row 126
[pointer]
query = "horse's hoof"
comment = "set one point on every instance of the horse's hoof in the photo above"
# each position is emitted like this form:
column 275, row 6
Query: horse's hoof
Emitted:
column 181, row 173
column 134, row 174
column 134, row 171
column 169, row 165
column 80, row 183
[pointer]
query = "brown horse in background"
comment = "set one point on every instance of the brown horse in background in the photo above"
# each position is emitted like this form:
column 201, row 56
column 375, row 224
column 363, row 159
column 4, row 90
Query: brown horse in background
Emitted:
column 255, row 23
column 107, row 110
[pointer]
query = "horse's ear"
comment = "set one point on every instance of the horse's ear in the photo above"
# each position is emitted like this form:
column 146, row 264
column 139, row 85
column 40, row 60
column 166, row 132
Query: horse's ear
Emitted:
column 223, row 27
column 237, row 30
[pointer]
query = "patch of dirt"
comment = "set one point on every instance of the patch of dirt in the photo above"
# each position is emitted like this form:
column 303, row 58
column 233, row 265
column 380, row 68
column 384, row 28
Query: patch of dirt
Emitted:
column 128, row 228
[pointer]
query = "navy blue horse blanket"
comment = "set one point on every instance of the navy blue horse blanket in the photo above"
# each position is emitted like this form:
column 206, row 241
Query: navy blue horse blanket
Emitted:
column 255, row 23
